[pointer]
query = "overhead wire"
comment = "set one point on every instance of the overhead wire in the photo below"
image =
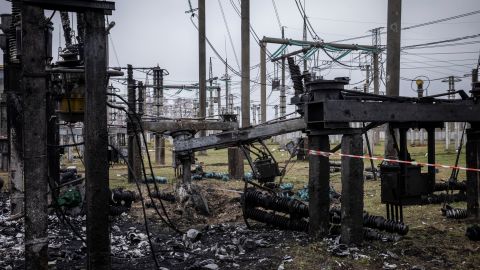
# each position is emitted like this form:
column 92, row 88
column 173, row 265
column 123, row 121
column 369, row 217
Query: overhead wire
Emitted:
column 418, row 25
column 229, row 34
column 135, row 116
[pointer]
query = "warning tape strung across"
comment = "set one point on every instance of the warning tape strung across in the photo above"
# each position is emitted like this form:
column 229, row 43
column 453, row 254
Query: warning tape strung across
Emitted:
column 327, row 154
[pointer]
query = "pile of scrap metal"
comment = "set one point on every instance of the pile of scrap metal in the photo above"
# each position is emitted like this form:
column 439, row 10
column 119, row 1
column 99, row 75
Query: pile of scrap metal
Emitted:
column 291, row 214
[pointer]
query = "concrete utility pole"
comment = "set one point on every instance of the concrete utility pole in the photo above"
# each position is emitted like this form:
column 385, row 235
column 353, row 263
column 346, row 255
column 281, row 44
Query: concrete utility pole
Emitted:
column 263, row 82
column 96, row 142
column 448, row 126
column 245, row 35
column 202, row 66
column 210, row 80
column 304, row 39
column 226, row 78
column 318, row 186
column 394, row 24
column 33, row 58
column 202, row 72
column 283, row 99
column 376, row 76
column 219, row 102
column 134, row 158
column 367, row 79
column 158, row 95
column 352, row 189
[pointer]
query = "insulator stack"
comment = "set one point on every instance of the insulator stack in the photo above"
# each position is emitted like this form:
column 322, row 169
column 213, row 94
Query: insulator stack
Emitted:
column 12, row 34
column 456, row 213
column 473, row 232
column 442, row 197
column 254, row 198
column 275, row 220
column 383, row 224
column 307, row 76
column 451, row 186
column 165, row 196
column 296, row 76
column 370, row 234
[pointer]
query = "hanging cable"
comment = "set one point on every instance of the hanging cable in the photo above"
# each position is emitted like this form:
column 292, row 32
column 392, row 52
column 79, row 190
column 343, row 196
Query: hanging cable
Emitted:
column 166, row 220
column 229, row 35
column 147, row 230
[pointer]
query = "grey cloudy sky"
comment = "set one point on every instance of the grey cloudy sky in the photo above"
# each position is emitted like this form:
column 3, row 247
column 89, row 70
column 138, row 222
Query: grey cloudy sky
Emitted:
column 151, row 32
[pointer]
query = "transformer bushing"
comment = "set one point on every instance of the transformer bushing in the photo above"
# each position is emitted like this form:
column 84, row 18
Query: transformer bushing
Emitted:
column 279, row 221
column 383, row 224
column 253, row 198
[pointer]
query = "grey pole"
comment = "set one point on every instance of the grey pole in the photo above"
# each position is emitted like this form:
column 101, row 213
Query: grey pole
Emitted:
column 245, row 35
column 263, row 82
column 202, row 67
column 393, row 62
column 96, row 142
column 33, row 60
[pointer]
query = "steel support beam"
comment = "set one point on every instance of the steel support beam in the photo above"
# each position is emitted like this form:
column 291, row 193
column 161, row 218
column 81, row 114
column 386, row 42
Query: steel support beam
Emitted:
column 96, row 143
column 173, row 125
column 318, row 44
column 343, row 111
column 236, row 137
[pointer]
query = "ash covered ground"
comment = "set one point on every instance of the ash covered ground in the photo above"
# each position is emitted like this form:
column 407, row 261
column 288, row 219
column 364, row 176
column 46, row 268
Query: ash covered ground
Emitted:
column 202, row 246
column 222, row 241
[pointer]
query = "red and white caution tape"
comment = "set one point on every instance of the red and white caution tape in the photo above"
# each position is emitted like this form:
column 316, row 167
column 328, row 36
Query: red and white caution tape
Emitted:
column 327, row 154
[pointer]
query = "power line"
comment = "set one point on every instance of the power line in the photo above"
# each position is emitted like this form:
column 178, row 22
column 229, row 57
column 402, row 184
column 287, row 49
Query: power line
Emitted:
column 435, row 53
column 229, row 35
column 276, row 14
column 419, row 25
column 440, row 42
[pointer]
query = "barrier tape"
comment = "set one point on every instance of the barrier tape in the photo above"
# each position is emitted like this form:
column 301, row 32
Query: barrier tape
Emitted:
column 327, row 154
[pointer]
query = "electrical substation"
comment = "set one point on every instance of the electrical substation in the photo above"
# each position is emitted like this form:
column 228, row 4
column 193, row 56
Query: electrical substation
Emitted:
column 110, row 165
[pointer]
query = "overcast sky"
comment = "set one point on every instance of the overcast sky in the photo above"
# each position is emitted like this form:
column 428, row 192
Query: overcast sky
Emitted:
column 151, row 32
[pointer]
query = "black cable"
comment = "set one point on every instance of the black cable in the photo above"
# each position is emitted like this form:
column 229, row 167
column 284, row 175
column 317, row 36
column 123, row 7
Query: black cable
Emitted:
column 168, row 222
column 147, row 230
column 336, row 61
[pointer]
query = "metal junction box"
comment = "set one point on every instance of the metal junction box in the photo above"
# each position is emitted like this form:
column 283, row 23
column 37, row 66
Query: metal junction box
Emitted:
column 404, row 185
